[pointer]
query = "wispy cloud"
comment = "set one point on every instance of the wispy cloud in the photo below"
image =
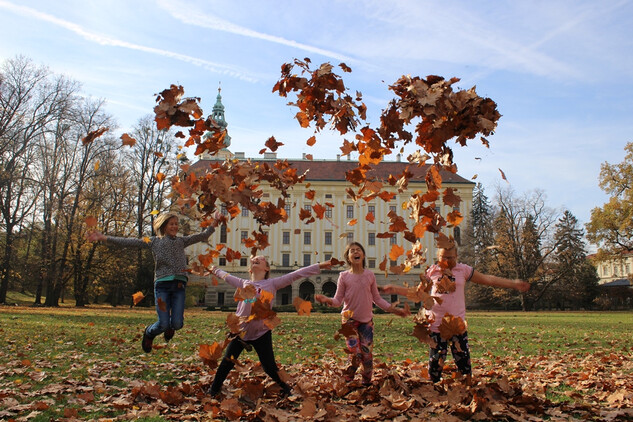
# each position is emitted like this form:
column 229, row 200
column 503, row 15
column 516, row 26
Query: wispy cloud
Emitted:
column 185, row 13
column 109, row 41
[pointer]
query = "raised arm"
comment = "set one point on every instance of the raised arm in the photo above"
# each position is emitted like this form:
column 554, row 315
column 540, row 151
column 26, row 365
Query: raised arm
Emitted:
column 495, row 281
column 231, row 279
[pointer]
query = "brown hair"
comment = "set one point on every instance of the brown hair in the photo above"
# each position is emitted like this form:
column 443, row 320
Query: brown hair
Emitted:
column 161, row 222
column 346, row 253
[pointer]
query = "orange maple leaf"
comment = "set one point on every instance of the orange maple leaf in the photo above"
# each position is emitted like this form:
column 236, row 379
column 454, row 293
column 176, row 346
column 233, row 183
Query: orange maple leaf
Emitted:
column 137, row 297
column 160, row 177
column 370, row 217
column 396, row 251
column 91, row 136
column 303, row 307
column 90, row 221
column 451, row 326
column 210, row 353
column 128, row 140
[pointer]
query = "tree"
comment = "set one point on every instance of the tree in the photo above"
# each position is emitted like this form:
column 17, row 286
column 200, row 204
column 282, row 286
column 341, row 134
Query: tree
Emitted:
column 611, row 226
column 477, row 248
column 30, row 99
column 577, row 280
column 523, row 243
column 152, row 154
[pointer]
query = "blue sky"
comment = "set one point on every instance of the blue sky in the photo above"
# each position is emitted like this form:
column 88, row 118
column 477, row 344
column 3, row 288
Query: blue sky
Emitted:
column 560, row 71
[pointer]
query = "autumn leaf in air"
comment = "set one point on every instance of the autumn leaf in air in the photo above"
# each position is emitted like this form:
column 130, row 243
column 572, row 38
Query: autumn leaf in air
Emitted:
column 234, row 323
column 396, row 252
column 303, row 307
column 503, row 175
column 210, row 354
column 272, row 144
column 311, row 141
column 91, row 136
column 90, row 221
column 243, row 293
column 346, row 330
column 451, row 326
column 445, row 285
column 370, row 217
column 128, row 140
column 352, row 222
column 160, row 177
column 137, row 297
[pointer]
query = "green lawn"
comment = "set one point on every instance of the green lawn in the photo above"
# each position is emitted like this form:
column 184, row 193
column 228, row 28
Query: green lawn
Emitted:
column 45, row 349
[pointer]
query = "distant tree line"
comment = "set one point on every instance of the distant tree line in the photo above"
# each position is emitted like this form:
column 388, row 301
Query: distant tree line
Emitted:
column 50, row 182
column 521, row 237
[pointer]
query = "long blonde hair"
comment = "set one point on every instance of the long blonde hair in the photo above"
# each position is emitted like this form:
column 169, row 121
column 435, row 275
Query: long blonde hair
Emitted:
column 161, row 222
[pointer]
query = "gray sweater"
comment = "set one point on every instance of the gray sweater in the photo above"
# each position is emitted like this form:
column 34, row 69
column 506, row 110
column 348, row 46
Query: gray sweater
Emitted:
column 168, row 251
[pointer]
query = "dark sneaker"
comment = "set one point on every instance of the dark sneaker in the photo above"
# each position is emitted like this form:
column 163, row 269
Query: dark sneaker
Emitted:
column 285, row 390
column 212, row 393
column 169, row 334
column 147, row 342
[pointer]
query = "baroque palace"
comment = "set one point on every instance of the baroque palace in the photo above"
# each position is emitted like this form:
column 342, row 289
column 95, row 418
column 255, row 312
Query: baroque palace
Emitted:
column 294, row 244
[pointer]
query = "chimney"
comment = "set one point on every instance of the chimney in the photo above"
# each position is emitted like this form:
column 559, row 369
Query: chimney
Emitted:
column 270, row 155
column 338, row 157
column 398, row 158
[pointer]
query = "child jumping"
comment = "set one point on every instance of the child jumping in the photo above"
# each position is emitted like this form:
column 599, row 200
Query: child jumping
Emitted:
column 256, row 333
column 170, row 278
column 453, row 303
column 357, row 291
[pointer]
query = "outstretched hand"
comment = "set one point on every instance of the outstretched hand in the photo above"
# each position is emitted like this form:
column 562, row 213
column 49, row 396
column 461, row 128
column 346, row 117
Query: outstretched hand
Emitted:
column 322, row 299
column 325, row 265
column 522, row 286
column 95, row 236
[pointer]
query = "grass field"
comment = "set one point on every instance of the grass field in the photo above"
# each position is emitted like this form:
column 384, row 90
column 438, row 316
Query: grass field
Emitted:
column 51, row 356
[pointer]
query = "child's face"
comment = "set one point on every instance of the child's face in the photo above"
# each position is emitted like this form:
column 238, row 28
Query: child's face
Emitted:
column 355, row 255
column 171, row 228
column 259, row 263
column 447, row 258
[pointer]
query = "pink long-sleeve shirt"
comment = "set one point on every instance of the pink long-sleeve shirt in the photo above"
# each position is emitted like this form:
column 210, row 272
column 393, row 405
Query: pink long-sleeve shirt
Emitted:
column 256, row 328
column 358, row 293
column 452, row 303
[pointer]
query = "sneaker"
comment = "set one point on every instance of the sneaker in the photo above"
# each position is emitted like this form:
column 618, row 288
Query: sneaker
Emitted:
column 169, row 334
column 286, row 391
column 213, row 394
column 147, row 342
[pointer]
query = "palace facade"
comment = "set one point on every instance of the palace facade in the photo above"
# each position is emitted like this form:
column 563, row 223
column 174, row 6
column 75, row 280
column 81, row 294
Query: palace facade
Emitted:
column 294, row 244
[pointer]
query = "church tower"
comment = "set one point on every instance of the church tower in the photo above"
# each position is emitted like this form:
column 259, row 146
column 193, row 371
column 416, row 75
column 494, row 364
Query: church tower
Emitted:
column 218, row 115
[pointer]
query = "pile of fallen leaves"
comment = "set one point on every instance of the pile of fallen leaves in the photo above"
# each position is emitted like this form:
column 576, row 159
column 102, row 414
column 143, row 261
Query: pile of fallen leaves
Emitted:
column 597, row 386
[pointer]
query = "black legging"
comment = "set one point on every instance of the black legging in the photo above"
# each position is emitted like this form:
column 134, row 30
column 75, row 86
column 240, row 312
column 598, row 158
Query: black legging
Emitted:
column 264, row 348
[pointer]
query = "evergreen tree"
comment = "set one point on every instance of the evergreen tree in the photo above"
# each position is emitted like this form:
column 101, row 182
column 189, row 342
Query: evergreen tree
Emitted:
column 577, row 280
column 476, row 248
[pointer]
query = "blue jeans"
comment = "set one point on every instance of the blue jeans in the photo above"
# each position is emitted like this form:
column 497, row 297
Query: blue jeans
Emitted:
column 170, row 296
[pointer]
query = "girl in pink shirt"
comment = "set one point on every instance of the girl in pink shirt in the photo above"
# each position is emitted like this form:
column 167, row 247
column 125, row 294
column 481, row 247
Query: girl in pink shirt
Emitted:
column 453, row 303
column 255, row 333
column 357, row 292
